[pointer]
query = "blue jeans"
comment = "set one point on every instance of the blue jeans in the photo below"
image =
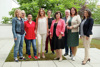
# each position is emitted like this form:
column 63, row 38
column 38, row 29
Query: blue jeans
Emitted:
column 19, row 45
column 33, row 41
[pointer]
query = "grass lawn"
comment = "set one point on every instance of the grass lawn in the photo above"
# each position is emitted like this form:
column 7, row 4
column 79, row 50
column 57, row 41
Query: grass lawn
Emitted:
column 94, row 44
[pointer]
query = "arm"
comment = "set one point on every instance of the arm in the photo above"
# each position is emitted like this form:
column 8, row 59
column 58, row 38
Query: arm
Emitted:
column 47, row 26
column 13, row 28
column 36, row 25
column 91, row 22
column 78, row 22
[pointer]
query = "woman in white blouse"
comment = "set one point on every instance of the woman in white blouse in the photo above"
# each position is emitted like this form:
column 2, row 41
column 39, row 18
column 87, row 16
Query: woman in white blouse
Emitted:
column 41, row 30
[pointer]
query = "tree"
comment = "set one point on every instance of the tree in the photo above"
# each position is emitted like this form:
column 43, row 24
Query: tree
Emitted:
column 32, row 6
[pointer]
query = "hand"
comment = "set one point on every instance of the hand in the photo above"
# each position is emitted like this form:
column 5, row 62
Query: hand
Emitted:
column 87, row 38
column 71, row 27
column 80, row 37
column 49, row 30
column 60, row 36
column 36, row 34
column 68, row 27
column 47, row 33
column 50, row 37
column 15, row 39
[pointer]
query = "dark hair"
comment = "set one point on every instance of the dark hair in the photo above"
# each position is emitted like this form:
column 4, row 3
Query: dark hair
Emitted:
column 89, row 13
column 29, row 14
column 75, row 11
column 49, row 10
column 57, row 13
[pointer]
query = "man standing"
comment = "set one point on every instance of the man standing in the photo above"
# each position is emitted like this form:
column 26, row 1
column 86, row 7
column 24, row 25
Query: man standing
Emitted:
column 67, row 13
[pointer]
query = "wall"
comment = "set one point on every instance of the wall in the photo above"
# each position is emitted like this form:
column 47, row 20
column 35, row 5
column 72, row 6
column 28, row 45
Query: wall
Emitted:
column 6, row 6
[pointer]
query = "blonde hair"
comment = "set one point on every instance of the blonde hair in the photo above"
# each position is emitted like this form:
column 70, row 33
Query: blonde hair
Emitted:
column 38, row 16
column 23, row 12
column 15, row 13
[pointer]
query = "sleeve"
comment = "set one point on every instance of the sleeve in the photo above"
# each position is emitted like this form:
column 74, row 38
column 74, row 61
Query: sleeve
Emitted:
column 13, row 27
column 78, row 22
column 91, row 22
column 63, row 27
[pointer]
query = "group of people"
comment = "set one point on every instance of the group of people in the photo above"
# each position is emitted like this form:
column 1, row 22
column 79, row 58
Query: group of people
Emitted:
column 61, row 32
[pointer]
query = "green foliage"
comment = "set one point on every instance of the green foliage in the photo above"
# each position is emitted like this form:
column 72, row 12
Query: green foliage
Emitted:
column 96, row 16
column 95, row 11
column 5, row 20
column 32, row 6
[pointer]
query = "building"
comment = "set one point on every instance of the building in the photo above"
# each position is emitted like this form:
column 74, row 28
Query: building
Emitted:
column 6, row 6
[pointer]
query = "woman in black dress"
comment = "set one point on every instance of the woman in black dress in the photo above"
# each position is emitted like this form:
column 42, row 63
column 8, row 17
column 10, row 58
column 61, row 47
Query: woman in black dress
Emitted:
column 50, row 19
column 57, row 34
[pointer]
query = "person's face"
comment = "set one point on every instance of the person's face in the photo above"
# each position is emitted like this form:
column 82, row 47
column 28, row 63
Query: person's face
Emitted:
column 67, row 13
column 58, row 16
column 23, row 14
column 49, row 13
column 41, row 12
column 85, row 13
column 73, row 11
column 29, row 17
column 18, row 13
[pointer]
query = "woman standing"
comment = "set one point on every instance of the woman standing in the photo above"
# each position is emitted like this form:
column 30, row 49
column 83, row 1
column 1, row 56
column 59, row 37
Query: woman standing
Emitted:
column 29, row 26
column 48, row 37
column 18, row 33
column 73, row 22
column 41, row 30
column 25, row 19
column 86, row 34
column 57, row 34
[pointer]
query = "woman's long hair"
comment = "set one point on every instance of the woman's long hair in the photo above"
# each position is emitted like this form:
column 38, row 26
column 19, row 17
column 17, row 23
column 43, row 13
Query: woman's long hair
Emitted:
column 38, row 16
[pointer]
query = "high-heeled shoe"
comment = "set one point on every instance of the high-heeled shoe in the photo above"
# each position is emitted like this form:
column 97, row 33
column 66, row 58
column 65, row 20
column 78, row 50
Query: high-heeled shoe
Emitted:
column 86, row 62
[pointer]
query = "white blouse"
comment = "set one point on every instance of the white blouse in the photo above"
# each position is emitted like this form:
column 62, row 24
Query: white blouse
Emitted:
column 42, row 25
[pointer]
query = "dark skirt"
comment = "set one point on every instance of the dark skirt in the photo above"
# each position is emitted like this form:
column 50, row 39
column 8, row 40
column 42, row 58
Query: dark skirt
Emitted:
column 57, row 43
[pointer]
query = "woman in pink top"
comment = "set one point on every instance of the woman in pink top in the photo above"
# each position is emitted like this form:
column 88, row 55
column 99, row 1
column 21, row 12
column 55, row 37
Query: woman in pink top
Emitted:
column 56, row 34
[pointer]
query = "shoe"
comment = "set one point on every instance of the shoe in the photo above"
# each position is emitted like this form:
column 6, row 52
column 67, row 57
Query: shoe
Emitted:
column 43, row 56
column 38, row 57
column 46, row 51
column 65, row 54
column 60, row 60
column 88, row 60
column 56, row 58
column 16, row 60
column 29, row 56
column 73, row 58
column 70, row 55
column 84, row 63
column 22, row 58
column 35, row 57
column 53, row 52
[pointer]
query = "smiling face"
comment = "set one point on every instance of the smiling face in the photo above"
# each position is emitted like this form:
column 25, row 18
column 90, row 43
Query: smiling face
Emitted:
column 18, row 13
column 29, row 17
column 73, row 11
column 58, row 16
column 49, row 13
column 85, row 13
column 41, row 13
column 23, row 14
column 67, row 13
